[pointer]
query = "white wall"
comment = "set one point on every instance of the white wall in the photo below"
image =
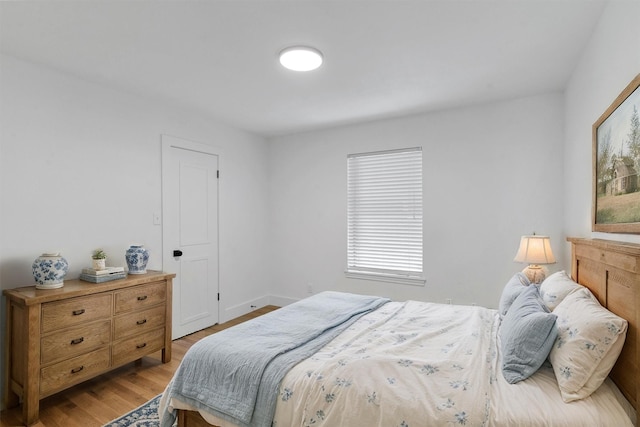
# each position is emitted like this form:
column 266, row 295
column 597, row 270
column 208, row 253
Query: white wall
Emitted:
column 491, row 173
column 80, row 169
column 609, row 62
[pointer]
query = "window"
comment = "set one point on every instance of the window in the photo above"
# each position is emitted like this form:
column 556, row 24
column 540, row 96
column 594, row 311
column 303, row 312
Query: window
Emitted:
column 384, row 214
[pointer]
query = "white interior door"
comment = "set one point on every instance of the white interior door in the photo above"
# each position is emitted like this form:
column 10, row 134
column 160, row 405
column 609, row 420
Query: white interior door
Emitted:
column 190, row 232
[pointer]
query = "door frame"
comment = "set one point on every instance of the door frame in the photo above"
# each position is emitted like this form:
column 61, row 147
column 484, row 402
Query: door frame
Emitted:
column 168, row 142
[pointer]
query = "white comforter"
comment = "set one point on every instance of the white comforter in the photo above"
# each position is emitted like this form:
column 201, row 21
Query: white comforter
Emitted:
column 402, row 365
column 412, row 364
column 420, row 364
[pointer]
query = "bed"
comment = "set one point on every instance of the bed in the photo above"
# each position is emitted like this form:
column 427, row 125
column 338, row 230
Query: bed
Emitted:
column 389, row 363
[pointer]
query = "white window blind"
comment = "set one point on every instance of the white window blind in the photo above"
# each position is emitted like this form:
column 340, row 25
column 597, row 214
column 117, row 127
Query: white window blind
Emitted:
column 384, row 214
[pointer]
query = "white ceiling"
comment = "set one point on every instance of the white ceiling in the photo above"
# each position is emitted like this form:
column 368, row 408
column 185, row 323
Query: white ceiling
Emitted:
column 382, row 58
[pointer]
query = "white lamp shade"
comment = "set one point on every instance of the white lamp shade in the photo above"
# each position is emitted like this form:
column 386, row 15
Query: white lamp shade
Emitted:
column 535, row 250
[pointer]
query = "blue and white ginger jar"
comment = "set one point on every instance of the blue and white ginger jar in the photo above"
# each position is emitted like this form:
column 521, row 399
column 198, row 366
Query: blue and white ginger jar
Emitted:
column 49, row 270
column 137, row 257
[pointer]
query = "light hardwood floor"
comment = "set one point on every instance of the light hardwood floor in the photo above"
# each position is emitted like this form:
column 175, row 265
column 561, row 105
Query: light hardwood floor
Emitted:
column 104, row 398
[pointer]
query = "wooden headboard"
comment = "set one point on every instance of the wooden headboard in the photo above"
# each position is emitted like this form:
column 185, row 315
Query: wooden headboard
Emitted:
column 611, row 270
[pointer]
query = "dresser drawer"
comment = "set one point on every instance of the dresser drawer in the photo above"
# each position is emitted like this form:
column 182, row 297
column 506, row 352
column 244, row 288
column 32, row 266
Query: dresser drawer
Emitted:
column 72, row 371
column 139, row 297
column 75, row 311
column 74, row 341
column 139, row 322
column 135, row 347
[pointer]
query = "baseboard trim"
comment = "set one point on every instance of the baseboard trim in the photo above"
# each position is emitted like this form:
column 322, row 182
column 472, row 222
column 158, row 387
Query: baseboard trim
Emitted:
column 244, row 308
column 248, row 306
column 281, row 301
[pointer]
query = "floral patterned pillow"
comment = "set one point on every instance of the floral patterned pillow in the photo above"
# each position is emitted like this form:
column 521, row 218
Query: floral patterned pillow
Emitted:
column 589, row 342
column 556, row 287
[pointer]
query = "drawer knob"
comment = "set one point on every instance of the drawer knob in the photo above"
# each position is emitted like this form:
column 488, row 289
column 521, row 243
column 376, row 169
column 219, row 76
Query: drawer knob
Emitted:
column 76, row 370
column 141, row 322
column 78, row 312
column 143, row 345
column 142, row 298
column 77, row 341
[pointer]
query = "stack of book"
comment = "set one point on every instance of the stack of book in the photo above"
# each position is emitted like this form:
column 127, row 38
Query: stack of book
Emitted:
column 100, row 276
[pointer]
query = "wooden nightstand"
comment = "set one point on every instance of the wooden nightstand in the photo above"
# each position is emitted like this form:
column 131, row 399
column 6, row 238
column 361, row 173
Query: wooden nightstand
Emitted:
column 60, row 337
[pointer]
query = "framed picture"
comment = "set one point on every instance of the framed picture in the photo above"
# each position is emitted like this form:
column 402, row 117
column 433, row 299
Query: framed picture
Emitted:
column 616, row 164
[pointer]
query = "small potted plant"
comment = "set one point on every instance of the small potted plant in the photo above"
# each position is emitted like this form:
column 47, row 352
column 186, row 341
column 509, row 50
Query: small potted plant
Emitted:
column 99, row 258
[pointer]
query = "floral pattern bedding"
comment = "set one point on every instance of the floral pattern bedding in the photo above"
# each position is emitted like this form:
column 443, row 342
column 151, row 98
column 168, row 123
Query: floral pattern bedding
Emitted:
column 412, row 364
column 400, row 366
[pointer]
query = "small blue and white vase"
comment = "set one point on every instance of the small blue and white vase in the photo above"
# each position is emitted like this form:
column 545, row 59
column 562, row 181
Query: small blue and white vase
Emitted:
column 49, row 270
column 137, row 257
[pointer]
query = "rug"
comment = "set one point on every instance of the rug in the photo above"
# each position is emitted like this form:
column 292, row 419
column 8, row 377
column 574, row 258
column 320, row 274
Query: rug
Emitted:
column 145, row 415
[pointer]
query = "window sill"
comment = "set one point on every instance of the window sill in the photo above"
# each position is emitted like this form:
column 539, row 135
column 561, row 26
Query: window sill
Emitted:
column 403, row 280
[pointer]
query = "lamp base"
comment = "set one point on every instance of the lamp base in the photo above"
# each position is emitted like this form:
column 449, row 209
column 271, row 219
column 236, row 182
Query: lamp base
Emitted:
column 535, row 273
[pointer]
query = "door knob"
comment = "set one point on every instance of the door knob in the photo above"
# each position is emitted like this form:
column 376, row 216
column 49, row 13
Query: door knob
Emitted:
column 177, row 253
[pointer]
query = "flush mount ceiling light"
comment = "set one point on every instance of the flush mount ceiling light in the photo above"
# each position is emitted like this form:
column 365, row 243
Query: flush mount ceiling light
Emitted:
column 301, row 58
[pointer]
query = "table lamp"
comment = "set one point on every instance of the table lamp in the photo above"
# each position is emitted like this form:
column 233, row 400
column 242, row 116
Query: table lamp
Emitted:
column 535, row 250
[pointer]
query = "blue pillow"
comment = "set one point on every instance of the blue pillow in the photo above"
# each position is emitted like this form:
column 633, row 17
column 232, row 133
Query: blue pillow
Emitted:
column 512, row 289
column 527, row 333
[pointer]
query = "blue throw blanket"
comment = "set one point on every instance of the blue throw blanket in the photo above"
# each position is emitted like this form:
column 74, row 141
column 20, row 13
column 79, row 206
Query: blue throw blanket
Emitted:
column 234, row 374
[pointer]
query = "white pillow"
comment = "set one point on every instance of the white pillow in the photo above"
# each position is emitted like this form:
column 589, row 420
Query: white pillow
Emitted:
column 556, row 287
column 589, row 342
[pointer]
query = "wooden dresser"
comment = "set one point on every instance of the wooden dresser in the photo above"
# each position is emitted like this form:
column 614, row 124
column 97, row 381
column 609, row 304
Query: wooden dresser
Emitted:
column 60, row 337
